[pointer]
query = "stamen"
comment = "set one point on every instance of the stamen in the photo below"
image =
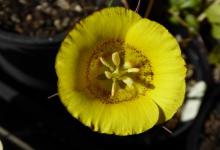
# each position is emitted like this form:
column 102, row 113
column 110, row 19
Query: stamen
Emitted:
column 114, row 87
column 116, row 73
column 108, row 74
column 129, row 70
column 105, row 63
column 128, row 81
column 134, row 70
column 127, row 65
column 116, row 59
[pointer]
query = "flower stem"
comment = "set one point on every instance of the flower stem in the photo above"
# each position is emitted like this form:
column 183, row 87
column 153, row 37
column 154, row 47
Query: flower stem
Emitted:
column 149, row 8
column 52, row 96
column 14, row 139
column 202, row 16
column 181, row 21
column 138, row 6
column 167, row 130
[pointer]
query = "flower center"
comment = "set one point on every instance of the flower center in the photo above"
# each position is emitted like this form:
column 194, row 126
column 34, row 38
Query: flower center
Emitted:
column 116, row 73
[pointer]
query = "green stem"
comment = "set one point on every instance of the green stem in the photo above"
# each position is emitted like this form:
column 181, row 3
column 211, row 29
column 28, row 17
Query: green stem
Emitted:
column 110, row 2
column 181, row 21
column 202, row 16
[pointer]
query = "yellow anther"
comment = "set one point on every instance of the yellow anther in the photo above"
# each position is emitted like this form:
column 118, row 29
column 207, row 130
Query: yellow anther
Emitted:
column 128, row 81
column 105, row 63
column 134, row 70
column 116, row 59
column 108, row 74
column 116, row 73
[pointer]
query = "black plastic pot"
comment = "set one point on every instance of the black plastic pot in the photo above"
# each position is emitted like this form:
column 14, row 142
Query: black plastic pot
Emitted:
column 51, row 126
column 196, row 135
column 50, row 119
column 29, row 61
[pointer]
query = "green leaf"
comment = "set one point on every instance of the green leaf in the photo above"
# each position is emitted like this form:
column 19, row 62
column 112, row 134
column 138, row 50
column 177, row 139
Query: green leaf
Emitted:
column 213, row 13
column 216, row 31
column 192, row 21
column 109, row 3
column 214, row 56
column 184, row 4
column 193, row 4
column 175, row 3
column 173, row 20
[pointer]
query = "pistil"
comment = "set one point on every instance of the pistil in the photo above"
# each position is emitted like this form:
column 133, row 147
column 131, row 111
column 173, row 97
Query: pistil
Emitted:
column 116, row 73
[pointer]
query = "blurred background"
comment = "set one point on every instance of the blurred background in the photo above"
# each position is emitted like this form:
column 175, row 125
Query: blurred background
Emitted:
column 30, row 35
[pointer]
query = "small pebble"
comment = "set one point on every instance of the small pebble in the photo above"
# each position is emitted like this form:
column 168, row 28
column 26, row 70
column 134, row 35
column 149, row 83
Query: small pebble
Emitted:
column 63, row 4
column 78, row 8
column 54, row 12
column 65, row 22
column 190, row 71
column 39, row 7
column 43, row 18
column 44, row 4
column 15, row 18
column 48, row 10
column 18, row 29
column 28, row 17
column 23, row 2
column 57, row 24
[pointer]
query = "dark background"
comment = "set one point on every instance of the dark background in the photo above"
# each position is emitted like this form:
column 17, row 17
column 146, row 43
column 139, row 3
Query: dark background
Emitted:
column 27, row 78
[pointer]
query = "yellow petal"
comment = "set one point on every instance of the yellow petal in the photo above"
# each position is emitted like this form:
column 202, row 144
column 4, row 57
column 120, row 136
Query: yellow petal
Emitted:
column 168, row 67
column 79, row 44
column 128, row 118
column 111, row 118
column 134, row 110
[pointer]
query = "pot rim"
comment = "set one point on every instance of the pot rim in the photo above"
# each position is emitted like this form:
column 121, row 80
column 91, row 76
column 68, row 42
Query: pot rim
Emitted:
column 15, row 38
column 210, row 101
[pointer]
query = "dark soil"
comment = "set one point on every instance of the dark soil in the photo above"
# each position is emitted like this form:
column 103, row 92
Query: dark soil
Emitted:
column 44, row 18
column 211, row 137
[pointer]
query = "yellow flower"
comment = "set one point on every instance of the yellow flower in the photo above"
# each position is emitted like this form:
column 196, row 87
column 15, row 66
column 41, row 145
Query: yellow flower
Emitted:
column 119, row 73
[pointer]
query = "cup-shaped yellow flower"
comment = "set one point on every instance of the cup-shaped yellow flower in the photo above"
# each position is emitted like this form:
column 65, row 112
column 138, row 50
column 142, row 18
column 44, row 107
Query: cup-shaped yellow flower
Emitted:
column 119, row 73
